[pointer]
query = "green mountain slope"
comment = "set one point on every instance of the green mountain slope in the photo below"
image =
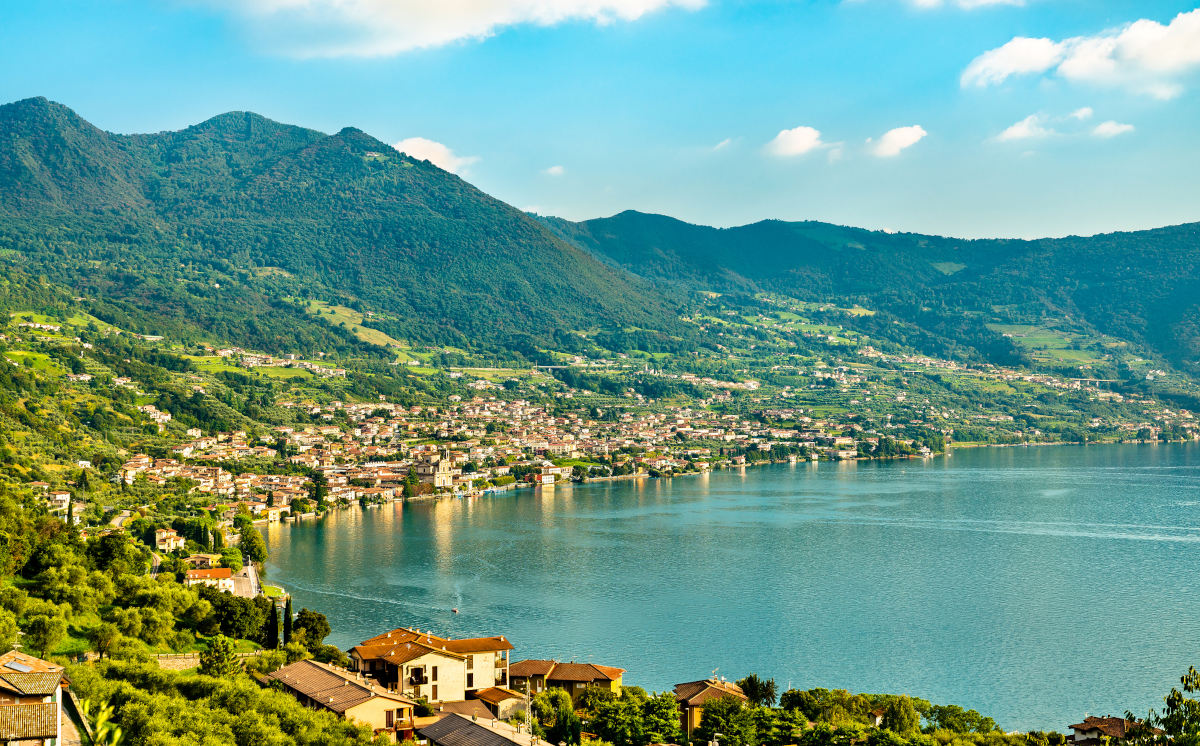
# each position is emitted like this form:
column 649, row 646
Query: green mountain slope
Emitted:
column 1139, row 288
column 240, row 212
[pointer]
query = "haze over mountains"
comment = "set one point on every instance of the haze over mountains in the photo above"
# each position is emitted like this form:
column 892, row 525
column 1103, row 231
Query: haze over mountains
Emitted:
column 226, row 227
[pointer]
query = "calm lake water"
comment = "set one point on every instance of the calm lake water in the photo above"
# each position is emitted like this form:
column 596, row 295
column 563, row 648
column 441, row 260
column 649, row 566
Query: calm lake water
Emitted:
column 1033, row 584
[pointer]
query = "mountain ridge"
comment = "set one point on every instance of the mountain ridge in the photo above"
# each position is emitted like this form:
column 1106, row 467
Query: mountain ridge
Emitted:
column 1142, row 287
column 345, row 216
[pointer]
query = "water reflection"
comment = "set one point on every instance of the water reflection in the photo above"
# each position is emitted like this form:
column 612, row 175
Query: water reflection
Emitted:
column 872, row 576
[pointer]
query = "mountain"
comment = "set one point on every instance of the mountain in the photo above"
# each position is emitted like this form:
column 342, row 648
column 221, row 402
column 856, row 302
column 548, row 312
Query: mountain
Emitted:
column 1140, row 289
column 222, row 223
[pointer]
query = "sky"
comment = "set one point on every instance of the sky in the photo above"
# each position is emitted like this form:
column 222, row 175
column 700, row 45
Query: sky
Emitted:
column 972, row 118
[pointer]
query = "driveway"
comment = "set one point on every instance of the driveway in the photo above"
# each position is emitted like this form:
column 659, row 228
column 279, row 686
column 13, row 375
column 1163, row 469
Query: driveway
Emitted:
column 245, row 582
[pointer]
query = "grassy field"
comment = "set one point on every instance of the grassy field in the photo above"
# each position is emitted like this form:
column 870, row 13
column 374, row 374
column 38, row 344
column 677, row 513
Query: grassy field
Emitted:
column 35, row 360
column 1049, row 345
column 283, row 373
column 350, row 319
column 949, row 268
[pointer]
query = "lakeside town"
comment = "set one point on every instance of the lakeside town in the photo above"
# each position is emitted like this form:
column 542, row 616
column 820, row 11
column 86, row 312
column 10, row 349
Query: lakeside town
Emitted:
column 414, row 686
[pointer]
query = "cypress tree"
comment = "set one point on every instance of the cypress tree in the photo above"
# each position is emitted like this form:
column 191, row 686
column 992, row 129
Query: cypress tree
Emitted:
column 272, row 641
column 287, row 621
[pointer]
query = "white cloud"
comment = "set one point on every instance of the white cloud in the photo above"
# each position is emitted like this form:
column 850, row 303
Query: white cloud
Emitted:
column 723, row 144
column 895, row 141
column 1027, row 129
column 1020, row 56
column 796, row 141
column 375, row 28
column 1145, row 56
column 1112, row 129
column 1083, row 113
column 555, row 171
column 436, row 153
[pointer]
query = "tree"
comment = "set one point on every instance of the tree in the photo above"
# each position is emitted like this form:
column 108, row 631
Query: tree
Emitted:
column 661, row 719
column 728, row 716
column 547, row 704
column 287, row 621
column 104, row 637
column 956, row 719
column 271, row 641
column 43, row 633
column 617, row 720
column 1180, row 718
column 567, row 728
column 318, row 489
column 8, row 630
column 218, row 658
column 901, row 717
column 315, row 626
column 253, row 545
column 759, row 691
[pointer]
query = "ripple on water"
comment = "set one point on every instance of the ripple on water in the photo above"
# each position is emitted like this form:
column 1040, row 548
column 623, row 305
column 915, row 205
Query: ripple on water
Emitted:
column 983, row 579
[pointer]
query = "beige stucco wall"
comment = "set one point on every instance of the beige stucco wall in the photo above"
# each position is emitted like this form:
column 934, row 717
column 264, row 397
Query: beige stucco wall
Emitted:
column 451, row 681
column 373, row 713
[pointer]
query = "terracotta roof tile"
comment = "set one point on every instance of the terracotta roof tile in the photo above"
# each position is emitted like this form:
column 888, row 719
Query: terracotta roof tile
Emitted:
column 457, row 730
column 38, row 720
column 467, row 707
column 530, row 668
column 32, row 683
column 698, row 692
column 332, row 688
column 496, row 694
column 553, row 670
column 466, row 645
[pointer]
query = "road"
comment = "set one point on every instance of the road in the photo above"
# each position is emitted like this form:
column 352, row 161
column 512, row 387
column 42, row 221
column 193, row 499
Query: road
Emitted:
column 245, row 582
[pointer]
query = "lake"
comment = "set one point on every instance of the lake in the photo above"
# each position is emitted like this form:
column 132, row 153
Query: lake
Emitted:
column 1036, row 585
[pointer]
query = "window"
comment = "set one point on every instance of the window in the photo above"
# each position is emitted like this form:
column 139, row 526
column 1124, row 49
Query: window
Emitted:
column 434, row 676
column 470, row 681
column 470, row 662
column 389, row 719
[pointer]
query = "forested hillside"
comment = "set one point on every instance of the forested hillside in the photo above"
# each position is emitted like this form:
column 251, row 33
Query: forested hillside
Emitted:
column 236, row 229
column 1141, row 289
column 233, row 224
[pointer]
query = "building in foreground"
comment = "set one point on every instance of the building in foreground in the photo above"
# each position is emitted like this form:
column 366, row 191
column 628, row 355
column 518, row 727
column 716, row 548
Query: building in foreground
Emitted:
column 440, row 669
column 220, row 578
column 1095, row 731
column 536, row 676
column 31, row 695
column 349, row 695
column 692, row 695
column 459, row 730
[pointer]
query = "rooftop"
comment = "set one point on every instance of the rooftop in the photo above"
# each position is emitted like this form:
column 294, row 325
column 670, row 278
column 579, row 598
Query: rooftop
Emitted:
column 333, row 688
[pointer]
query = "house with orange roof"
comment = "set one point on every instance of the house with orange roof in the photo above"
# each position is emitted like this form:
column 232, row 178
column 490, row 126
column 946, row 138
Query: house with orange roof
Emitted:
column 348, row 695
column 1096, row 731
column 220, row 578
column 692, row 696
column 31, row 696
column 167, row 540
column 440, row 669
column 537, row 675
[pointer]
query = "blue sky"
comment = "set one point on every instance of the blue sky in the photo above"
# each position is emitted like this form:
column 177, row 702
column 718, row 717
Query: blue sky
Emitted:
column 962, row 117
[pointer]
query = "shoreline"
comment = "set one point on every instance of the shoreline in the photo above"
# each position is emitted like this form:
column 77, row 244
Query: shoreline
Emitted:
column 571, row 483
column 1180, row 456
